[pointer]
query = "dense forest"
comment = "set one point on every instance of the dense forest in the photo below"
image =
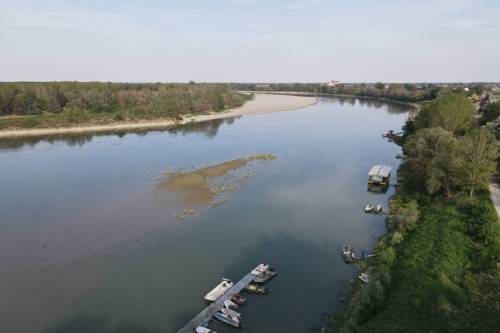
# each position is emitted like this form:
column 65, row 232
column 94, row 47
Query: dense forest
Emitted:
column 60, row 103
column 436, row 270
column 404, row 92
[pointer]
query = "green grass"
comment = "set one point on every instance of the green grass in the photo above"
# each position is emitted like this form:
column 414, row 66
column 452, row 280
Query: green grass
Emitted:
column 443, row 274
column 427, row 275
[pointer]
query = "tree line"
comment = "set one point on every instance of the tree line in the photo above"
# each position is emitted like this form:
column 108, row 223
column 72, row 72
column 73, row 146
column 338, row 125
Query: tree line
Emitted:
column 141, row 99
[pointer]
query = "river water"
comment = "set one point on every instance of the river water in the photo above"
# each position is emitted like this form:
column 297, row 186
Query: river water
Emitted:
column 88, row 245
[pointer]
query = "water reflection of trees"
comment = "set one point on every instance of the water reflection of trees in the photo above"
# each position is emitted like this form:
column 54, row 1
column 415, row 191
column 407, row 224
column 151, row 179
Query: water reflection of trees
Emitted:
column 208, row 128
column 390, row 106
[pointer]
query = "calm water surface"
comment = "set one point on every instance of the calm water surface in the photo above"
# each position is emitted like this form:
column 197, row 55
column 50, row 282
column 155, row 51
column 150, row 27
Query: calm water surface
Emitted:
column 85, row 246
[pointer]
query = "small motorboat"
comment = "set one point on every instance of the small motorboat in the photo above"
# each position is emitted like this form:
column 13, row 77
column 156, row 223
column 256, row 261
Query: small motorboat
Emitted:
column 230, row 304
column 378, row 209
column 348, row 253
column 222, row 317
column 238, row 299
column 203, row 329
column 369, row 208
column 256, row 289
column 364, row 277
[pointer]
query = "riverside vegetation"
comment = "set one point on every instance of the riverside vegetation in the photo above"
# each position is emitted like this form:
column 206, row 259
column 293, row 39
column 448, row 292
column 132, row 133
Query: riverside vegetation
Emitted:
column 437, row 268
column 401, row 92
column 60, row 104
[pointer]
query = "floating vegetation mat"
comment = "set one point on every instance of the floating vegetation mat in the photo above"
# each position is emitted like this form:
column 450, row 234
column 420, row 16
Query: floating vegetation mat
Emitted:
column 190, row 191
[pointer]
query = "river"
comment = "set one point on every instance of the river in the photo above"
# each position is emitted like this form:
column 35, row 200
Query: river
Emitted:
column 88, row 242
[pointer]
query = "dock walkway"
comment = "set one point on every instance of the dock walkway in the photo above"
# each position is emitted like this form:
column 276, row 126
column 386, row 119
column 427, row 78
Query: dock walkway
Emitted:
column 206, row 315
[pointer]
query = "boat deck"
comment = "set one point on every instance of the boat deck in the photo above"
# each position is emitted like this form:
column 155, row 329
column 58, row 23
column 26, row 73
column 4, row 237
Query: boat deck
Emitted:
column 206, row 315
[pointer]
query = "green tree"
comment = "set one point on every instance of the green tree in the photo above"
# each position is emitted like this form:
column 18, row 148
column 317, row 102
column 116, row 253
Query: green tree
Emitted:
column 433, row 159
column 491, row 112
column 454, row 113
column 404, row 215
column 479, row 151
column 443, row 171
column 379, row 85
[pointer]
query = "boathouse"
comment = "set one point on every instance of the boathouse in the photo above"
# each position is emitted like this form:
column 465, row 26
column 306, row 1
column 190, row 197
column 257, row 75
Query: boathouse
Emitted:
column 379, row 175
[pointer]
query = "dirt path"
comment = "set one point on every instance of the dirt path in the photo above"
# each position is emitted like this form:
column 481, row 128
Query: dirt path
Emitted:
column 495, row 196
column 262, row 103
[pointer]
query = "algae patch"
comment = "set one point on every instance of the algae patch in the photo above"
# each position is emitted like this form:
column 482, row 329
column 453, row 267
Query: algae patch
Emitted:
column 189, row 191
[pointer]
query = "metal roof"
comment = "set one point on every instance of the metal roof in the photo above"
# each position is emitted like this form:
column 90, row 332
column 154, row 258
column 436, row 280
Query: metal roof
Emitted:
column 380, row 170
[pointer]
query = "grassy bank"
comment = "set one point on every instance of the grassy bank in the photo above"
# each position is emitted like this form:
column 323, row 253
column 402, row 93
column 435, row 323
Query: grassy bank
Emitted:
column 437, row 277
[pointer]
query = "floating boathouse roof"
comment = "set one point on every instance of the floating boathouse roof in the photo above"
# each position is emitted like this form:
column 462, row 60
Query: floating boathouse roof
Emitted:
column 380, row 170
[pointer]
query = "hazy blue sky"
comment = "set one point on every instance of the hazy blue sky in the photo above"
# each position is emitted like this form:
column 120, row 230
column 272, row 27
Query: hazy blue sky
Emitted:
column 250, row 40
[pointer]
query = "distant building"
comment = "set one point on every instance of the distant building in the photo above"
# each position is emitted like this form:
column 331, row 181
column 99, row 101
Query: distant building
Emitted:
column 331, row 83
column 262, row 86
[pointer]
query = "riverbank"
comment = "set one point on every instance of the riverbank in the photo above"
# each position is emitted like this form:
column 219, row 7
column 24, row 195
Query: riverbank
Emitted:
column 301, row 93
column 436, row 268
column 261, row 103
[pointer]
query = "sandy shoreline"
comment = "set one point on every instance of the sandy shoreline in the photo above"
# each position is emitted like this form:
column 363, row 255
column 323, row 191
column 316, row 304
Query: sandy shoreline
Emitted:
column 262, row 103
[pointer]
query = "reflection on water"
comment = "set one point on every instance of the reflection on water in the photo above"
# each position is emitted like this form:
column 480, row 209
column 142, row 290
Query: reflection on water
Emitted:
column 86, row 246
column 208, row 128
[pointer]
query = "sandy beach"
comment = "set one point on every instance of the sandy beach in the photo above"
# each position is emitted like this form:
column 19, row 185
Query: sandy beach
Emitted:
column 262, row 103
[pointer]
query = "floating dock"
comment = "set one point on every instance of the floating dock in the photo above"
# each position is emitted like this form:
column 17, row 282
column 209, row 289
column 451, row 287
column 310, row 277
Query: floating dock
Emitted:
column 206, row 315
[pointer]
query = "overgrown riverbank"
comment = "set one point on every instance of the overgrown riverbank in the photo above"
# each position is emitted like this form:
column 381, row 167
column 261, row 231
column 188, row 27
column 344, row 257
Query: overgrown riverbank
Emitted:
column 437, row 267
column 64, row 104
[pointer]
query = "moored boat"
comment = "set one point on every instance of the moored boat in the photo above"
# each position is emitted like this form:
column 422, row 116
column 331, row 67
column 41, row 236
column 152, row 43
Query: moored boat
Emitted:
column 231, row 313
column 238, row 299
column 256, row 289
column 230, row 304
column 369, row 208
column 219, row 290
column 222, row 317
column 348, row 253
column 203, row 329
column 263, row 273
column 364, row 277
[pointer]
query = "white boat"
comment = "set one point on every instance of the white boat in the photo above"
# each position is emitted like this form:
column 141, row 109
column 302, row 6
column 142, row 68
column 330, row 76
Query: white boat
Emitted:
column 231, row 313
column 263, row 272
column 261, row 268
column 230, row 304
column 364, row 277
column 219, row 290
column 233, row 321
column 378, row 209
column 203, row 329
column 369, row 208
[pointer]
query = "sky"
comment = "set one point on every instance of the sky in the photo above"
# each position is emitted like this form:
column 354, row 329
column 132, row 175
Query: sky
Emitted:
column 250, row 40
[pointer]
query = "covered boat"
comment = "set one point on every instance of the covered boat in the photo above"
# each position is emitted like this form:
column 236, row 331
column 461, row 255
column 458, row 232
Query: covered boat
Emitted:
column 219, row 290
